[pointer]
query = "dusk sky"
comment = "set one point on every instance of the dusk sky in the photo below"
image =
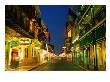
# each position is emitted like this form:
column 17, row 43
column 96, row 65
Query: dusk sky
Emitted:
column 55, row 17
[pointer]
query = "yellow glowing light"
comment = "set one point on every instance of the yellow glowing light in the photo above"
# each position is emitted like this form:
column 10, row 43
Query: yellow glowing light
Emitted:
column 37, row 47
column 69, row 33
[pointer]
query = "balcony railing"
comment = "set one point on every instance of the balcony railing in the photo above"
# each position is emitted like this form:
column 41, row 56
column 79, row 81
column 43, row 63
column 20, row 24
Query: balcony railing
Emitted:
column 93, row 28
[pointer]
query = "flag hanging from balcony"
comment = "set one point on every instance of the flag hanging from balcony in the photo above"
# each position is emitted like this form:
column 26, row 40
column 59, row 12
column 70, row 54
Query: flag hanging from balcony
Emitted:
column 47, row 35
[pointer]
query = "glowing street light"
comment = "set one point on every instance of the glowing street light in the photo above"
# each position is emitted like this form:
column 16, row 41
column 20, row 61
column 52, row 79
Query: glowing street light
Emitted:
column 64, row 47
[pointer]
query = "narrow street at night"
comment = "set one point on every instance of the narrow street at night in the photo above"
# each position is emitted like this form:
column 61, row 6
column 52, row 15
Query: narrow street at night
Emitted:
column 55, row 37
column 58, row 65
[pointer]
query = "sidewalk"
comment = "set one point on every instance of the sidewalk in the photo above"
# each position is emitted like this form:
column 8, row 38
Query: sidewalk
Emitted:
column 90, row 67
column 81, row 66
column 24, row 68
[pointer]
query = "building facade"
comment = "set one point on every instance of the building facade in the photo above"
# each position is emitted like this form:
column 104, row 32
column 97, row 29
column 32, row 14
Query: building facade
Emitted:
column 24, row 34
column 89, row 43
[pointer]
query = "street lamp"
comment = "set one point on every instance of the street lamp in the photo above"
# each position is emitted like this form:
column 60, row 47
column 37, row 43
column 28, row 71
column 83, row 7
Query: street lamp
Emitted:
column 64, row 49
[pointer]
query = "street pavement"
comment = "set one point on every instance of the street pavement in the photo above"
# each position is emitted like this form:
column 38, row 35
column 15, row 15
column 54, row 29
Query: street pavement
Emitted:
column 55, row 64
column 58, row 65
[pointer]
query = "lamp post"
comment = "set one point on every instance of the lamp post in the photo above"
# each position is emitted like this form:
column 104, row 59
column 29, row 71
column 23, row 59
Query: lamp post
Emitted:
column 72, row 49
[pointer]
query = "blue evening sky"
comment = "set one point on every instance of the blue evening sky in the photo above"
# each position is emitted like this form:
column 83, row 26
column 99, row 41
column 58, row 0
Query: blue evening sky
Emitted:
column 55, row 17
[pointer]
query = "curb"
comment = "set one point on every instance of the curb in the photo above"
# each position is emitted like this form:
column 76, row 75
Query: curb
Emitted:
column 82, row 68
column 36, row 67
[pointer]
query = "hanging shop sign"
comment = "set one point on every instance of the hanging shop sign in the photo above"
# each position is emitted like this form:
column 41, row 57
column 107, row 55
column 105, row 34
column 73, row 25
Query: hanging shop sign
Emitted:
column 25, row 41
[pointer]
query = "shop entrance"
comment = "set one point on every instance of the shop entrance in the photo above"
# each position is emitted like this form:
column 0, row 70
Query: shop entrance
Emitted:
column 14, row 58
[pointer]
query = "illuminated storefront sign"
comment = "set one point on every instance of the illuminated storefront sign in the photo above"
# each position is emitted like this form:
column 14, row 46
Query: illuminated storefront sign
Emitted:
column 25, row 41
